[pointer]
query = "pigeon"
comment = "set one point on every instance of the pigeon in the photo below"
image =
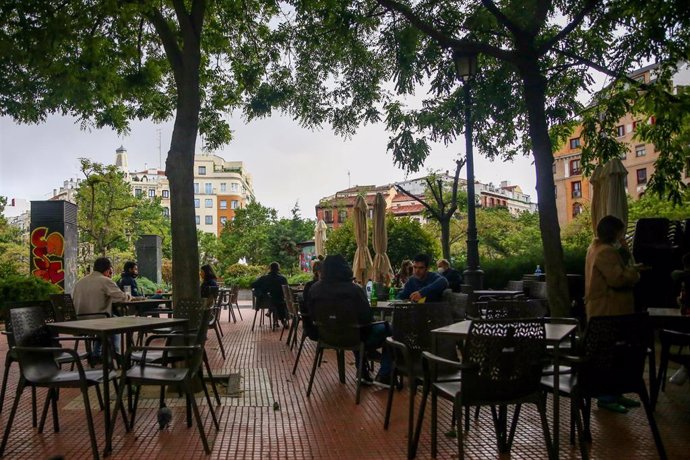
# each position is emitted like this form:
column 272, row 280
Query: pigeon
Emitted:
column 164, row 417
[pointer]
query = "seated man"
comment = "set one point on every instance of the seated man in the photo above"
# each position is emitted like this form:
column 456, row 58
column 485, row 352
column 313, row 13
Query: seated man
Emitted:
column 95, row 293
column 423, row 284
column 452, row 275
column 335, row 285
column 129, row 278
column 271, row 284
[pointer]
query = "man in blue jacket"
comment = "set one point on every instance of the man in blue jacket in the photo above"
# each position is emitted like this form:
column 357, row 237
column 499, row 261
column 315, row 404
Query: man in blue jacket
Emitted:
column 423, row 284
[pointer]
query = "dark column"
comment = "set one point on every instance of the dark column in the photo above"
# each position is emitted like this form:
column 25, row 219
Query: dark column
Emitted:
column 149, row 257
column 54, row 242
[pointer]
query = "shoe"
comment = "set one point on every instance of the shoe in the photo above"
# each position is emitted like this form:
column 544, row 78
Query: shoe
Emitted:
column 383, row 379
column 680, row 376
column 627, row 402
column 613, row 407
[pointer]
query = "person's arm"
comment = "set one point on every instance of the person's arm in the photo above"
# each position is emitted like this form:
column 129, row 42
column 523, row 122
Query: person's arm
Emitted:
column 114, row 292
column 135, row 288
column 365, row 315
column 436, row 286
column 409, row 288
column 615, row 274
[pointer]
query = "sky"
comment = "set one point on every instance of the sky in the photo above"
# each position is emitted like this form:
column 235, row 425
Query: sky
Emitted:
column 288, row 163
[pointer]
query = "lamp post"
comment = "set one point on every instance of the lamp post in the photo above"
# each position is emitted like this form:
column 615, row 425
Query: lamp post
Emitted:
column 466, row 68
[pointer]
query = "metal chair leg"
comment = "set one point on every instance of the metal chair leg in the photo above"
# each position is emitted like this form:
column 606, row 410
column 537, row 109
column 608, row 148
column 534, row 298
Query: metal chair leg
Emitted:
column 317, row 356
column 299, row 352
column 197, row 416
column 13, row 412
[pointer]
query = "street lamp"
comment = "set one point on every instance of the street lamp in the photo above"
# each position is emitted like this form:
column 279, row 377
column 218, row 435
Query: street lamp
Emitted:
column 466, row 68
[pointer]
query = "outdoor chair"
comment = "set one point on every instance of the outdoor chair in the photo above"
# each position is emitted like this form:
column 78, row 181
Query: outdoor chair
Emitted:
column 147, row 373
column 294, row 317
column 411, row 336
column 305, row 319
column 515, row 285
column 512, row 309
column 669, row 340
column 214, row 324
column 39, row 357
column 459, row 303
column 339, row 330
column 234, row 300
column 261, row 302
column 501, row 366
column 611, row 362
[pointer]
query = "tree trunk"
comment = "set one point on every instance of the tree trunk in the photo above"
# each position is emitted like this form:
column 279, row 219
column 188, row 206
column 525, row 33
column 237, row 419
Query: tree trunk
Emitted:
column 535, row 97
column 179, row 168
column 445, row 237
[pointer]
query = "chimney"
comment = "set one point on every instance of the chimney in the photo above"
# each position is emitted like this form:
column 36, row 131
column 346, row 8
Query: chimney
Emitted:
column 505, row 183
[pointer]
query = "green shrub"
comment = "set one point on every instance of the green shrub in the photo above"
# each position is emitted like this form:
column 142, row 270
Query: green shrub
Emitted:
column 244, row 282
column 498, row 272
column 300, row 278
column 240, row 270
column 22, row 288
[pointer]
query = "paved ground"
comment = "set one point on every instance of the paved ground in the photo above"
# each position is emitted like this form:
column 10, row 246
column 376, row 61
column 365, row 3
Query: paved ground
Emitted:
column 326, row 426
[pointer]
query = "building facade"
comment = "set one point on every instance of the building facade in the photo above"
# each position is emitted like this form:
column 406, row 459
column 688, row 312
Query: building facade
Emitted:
column 573, row 189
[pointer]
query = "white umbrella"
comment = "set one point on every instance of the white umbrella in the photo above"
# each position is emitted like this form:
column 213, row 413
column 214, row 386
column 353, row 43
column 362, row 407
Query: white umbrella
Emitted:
column 616, row 198
column 320, row 237
column 361, row 266
column 383, row 271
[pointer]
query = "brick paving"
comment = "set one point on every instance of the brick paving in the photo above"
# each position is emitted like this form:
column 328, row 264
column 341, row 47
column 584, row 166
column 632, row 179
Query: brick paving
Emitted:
column 328, row 425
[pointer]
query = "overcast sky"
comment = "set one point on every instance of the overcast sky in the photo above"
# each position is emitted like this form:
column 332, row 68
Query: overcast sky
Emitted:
column 288, row 163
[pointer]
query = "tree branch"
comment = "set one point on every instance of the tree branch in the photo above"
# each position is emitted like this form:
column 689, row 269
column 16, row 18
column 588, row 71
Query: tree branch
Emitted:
column 542, row 11
column 172, row 49
column 417, row 199
column 502, row 18
column 577, row 20
column 439, row 199
column 458, row 166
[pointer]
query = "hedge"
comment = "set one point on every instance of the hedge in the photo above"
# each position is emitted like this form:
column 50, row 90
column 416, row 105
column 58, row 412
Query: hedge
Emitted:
column 498, row 272
column 18, row 288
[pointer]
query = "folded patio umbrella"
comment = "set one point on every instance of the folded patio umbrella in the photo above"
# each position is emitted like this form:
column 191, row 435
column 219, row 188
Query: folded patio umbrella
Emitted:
column 383, row 271
column 361, row 266
column 320, row 238
column 616, row 198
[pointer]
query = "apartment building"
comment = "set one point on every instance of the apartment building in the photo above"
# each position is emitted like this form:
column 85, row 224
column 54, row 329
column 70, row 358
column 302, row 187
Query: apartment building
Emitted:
column 573, row 189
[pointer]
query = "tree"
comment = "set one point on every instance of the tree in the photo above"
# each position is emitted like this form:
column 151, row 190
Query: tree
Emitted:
column 14, row 256
column 148, row 218
column 247, row 235
column 110, row 62
column 651, row 205
column 440, row 207
column 284, row 234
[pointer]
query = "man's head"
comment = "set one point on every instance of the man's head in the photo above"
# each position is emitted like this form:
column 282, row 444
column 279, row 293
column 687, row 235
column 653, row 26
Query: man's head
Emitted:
column 274, row 267
column 442, row 265
column 316, row 268
column 420, row 265
column 103, row 265
column 610, row 229
column 131, row 268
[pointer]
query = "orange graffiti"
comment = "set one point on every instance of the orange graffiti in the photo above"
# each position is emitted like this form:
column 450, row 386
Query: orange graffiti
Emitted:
column 47, row 251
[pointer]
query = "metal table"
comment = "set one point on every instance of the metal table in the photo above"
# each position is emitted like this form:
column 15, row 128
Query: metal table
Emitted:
column 144, row 306
column 500, row 294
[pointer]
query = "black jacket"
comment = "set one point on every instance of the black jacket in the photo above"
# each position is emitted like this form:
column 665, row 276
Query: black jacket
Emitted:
column 454, row 279
column 271, row 285
column 126, row 279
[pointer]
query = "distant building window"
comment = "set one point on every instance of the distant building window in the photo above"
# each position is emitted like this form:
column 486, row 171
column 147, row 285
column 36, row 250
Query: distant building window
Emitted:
column 575, row 167
column 208, row 203
column 166, row 212
column 634, row 126
column 233, row 186
column 223, row 204
column 328, row 216
column 208, row 220
column 196, row 187
column 202, row 170
column 138, row 192
column 577, row 209
column 198, row 219
column 152, row 192
column 575, row 143
column 223, row 187
column 620, row 130
column 223, row 220
column 197, row 203
column 208, row 188
column 642, row 176
column 640, row 150
column 342, row 216
column 576, row 188
column 165, row 193
column 234, row 204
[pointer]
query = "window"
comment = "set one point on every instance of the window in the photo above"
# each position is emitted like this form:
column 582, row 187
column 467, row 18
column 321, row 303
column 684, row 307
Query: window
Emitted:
column 197, row 203
column 196, row 187
column 634, row 126
column 223, row 204
column 208, row 220
column 233, row 187
column 166, row 212
column 152, row 192
column 202, row 170
column 620, row 130
column 640, row 151
column 642, row 176
column 223, row 220
column 208, row 188
column 223, row 187
column 575, row 167
column 165, row 193
column 234, row 204
column 138, row 192
column 198, row 220
column 575, row 143
column 577, row 209
column 208, row 203
column 328, row 216
column 576, row 189
column 342, row 216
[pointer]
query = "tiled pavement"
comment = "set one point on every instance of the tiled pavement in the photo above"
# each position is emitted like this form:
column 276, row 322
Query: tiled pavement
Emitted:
column 326, row 426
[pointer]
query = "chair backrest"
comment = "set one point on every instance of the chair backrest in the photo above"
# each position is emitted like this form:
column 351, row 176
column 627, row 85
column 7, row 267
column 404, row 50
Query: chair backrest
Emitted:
column 459, row 303
column 45, row 306
column 615, row 349
column 538, row 290
column 289, row 300
column 508, row 355
column 515, row 285
column 413, row 324
column 338, row 324
column 513, row 309
column 192, row 310
column 234, row 293
column 63, row 306
column 29, row 330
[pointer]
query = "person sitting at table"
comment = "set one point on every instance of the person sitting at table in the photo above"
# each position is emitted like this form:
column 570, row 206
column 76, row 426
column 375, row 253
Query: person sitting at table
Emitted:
column 271, row 284
column 609, row 282
column 336, row 284
column 453, row 276
column 307, row 322
column 129, row 275
column 404, row 274
column 423, row 284
column 95, row 293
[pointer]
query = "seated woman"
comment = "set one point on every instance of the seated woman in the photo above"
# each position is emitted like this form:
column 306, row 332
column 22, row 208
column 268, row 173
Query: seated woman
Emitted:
column 208, row 280
column 308, row 324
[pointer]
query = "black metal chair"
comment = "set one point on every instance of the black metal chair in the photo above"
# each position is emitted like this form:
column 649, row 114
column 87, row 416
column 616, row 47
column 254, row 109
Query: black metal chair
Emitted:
column 339, row 330
column 294, row 317
column 670, row 339
column 261, row 302
column 611, row 361
column 147, row 373
column 413, row 324
column 214, row 324
column 502, row 363
column 39, row 356
column 234, row 300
